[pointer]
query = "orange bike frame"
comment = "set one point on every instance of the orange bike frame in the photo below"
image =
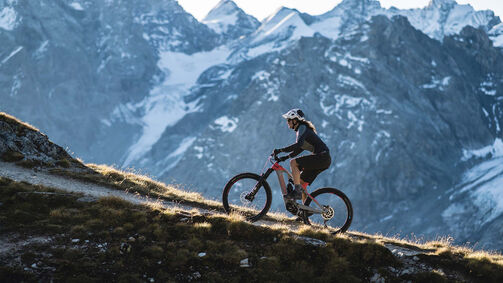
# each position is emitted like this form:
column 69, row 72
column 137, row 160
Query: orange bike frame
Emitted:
column 279, row 171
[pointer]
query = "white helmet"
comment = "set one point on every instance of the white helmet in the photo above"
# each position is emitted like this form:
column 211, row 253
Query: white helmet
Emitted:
column 294, row 113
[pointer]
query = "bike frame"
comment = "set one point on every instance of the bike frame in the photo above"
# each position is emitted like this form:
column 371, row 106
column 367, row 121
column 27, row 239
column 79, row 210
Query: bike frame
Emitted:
column 280, row 170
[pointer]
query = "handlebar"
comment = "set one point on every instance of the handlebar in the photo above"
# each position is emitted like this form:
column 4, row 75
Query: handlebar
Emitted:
column 275, row 157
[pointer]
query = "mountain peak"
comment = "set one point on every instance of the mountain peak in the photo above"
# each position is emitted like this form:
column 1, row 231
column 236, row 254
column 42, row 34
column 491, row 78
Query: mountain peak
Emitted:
column 226, row 17
column 280, row 12
column 359, row 3
column 224, row 7
column 358, row 8
column 284, row 24
column 440, row 3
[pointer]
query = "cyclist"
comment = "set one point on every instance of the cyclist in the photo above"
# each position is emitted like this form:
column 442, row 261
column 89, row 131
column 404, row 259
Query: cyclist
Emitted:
column 310, row 165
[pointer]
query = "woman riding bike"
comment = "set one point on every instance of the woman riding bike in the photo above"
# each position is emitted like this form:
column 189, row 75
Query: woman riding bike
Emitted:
column 310, row 165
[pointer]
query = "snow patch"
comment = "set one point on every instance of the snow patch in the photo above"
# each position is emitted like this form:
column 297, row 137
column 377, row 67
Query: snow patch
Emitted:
column 487, row 87
column 280, row 25
column 494, row 150
column 351, row 82
column 496, row 35
column 182, row 148
column 8, row 18
column 19, row 48
column 262, row 49
column 483, row 182
column 16, row 84
column 222, row 23
column 354, row 121
column 174, row 157
column 438, row 84
column 226, row 124
column 41, row 49
column 199, row 150
column 106, row 122
column 324, row 124
column 271, row 86
column 386, row 218
column 76, row 6
column 165, row 105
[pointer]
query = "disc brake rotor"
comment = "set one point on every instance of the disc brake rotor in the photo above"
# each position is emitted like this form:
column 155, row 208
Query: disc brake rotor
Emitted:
column 328, row 213
column 243, row 199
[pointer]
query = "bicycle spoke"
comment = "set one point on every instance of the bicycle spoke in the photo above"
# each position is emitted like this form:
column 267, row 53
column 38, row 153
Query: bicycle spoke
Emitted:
column 337, row 214
column 238, row 196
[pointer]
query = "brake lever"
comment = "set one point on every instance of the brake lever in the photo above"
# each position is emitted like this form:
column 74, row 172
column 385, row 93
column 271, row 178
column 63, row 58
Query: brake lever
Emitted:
column 275, row 157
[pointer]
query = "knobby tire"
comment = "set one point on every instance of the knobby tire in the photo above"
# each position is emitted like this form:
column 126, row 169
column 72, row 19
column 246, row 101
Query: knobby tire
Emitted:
column 249, row 178
column 336, row 195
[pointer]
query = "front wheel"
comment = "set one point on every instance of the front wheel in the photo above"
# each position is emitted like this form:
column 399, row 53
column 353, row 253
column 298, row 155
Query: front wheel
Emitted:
column 237, row 196
column 337, row 210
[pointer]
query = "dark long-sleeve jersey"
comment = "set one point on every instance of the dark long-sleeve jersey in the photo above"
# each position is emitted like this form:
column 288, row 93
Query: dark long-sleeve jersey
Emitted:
column 307, row 139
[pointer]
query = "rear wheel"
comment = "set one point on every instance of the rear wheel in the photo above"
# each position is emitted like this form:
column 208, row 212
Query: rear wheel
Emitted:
column 337, row 210
column 236, row 196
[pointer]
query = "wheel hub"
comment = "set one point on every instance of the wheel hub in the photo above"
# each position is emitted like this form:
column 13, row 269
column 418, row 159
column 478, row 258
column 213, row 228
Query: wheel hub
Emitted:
column 328, row 212
column 243, row 198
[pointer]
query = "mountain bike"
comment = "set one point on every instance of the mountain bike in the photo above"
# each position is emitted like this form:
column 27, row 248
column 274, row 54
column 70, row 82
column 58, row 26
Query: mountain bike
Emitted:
column 250, row 194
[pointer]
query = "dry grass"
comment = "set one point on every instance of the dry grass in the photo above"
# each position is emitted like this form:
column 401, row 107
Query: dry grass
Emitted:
column 13, row 120
column 441, row 247
column 171, row 244
column 134, row 182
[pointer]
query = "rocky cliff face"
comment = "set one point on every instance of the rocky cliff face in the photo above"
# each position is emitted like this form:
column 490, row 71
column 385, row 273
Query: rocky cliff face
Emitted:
column 21, row 142
column 405, row 99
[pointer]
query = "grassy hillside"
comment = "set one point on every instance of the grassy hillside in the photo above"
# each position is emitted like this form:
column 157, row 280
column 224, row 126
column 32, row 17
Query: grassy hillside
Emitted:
column 49, row 234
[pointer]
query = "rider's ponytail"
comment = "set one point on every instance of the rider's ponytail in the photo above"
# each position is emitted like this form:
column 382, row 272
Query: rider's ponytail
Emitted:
column 309, row 124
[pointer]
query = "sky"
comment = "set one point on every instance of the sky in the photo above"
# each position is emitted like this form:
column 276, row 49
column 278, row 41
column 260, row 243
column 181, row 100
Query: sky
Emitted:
column 261, row 9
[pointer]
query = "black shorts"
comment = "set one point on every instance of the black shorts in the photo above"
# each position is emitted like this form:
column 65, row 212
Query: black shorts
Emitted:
column 312, row 165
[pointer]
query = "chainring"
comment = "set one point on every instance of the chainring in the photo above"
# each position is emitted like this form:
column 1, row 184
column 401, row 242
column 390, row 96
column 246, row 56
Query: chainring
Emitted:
column 292, row 208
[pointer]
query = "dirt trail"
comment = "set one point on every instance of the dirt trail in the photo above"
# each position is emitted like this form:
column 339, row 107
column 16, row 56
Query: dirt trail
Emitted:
column 21, row 174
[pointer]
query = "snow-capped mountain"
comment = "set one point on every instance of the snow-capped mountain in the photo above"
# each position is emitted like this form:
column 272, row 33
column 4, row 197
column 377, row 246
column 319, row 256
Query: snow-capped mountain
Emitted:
column 230, row 21
column 446, row 17
column 400, row 96
column 438, row 19
column 496, row 34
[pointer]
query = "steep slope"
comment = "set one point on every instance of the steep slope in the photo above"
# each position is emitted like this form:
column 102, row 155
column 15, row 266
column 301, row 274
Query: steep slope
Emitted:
column 50, row 235
column 100, row 233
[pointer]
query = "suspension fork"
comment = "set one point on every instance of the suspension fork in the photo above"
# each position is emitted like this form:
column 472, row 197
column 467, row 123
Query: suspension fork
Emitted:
column 251, row 195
